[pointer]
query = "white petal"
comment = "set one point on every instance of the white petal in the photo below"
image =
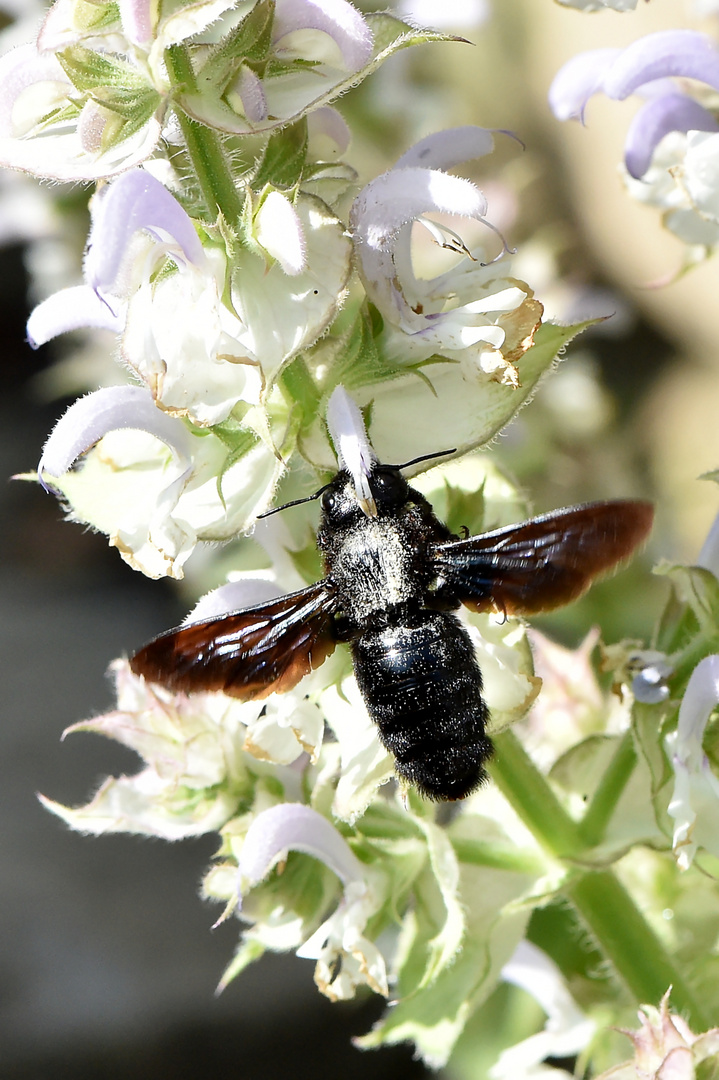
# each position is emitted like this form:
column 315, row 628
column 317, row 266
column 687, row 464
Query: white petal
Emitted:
column 352, row 446
column 136, row 16
column 342, row 22
column 279, row 231
column 90, row 418
column 292, row 826
column 133, row 202
column 445, row 149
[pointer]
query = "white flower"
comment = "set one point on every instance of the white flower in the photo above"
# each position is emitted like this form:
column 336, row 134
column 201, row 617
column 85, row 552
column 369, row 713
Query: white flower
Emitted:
column 150, row 485
column 345, row 958
column 47, row 129
column 473, row 313
column 149, row 279
column 567, row 1030
column 695, row 802
column 316, row 47
column 195, row 773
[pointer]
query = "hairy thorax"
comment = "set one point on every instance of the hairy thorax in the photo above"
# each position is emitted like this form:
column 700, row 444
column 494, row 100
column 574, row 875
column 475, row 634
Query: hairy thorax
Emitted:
column 378, row 568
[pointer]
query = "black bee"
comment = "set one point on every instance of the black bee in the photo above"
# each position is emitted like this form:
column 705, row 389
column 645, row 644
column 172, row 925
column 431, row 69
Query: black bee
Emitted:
column 395, row 575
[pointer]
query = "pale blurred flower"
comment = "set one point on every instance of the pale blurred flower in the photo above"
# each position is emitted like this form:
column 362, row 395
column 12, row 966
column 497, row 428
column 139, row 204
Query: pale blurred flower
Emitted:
column 451, row 15
column 664, row 1047
column 672, row 145
column 600, row 5
column 567, row 1031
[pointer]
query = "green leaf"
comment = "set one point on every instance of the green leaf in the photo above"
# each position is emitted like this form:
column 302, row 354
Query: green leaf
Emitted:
column 433, row 1017
column 91, row 17
column 88, row 70
column 247, row 952
column 699, row 589
column 250, row 40
column 284, row 158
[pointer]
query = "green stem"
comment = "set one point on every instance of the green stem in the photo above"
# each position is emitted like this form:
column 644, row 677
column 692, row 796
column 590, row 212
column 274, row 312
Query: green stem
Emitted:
column 629, row 943
column 621, row 931
column 609, row 792
column 204, row 146
column 532, row 798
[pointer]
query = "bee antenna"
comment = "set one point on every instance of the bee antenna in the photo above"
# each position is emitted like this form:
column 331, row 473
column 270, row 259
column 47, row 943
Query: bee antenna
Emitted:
column 295, row 502
column 424, row 457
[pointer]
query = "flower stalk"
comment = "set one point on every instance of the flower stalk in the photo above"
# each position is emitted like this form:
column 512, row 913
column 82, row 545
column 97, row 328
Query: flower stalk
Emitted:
column 204, row 146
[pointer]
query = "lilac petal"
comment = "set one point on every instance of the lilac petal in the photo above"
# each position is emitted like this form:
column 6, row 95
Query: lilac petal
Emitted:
column 340, row 20
column 252, row 95
column 577, row 80
column 136, row 200
column 234, row 596
column 136, row 19
column 90, row 418
column 670, row 112
column 445, row 149
column 76, row 308
column 294, row 827
column 668, row 52
column 354, row 452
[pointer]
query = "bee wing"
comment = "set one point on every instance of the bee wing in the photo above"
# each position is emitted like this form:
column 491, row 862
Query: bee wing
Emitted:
column 542, row 563
column 247, row 654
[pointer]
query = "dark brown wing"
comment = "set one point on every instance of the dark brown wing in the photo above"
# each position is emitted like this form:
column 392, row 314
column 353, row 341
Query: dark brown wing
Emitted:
column 543, row 563
column 247, row 654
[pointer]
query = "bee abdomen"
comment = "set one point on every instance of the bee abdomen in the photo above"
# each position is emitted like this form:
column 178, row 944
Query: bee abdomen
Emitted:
column 423, row 688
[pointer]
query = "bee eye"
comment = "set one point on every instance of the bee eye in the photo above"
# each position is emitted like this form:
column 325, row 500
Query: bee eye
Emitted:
column 328, row 501
column 388, row 487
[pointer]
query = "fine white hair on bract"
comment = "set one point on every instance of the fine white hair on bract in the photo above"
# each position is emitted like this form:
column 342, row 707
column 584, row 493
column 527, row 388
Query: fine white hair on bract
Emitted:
column 353, row 449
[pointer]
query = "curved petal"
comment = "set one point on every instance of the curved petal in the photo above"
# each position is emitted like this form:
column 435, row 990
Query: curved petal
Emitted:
column 90, row 418
column 76, row 308
column 134, row 201
column 340, row 20
column 670, row 112
column 136, row 18
column 695, row 801
column 252, row 95
column 379, row 216
column 577, row 81
column 686, row 53
column 327, row 126
column 445, row 149
column 294, row 827
column 279, row 231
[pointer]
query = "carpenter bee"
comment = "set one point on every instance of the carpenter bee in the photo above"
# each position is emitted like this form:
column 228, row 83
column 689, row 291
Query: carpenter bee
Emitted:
column 395, row 575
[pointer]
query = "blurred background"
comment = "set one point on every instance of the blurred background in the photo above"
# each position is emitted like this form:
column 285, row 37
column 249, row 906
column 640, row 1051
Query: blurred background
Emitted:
column 107, row 962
